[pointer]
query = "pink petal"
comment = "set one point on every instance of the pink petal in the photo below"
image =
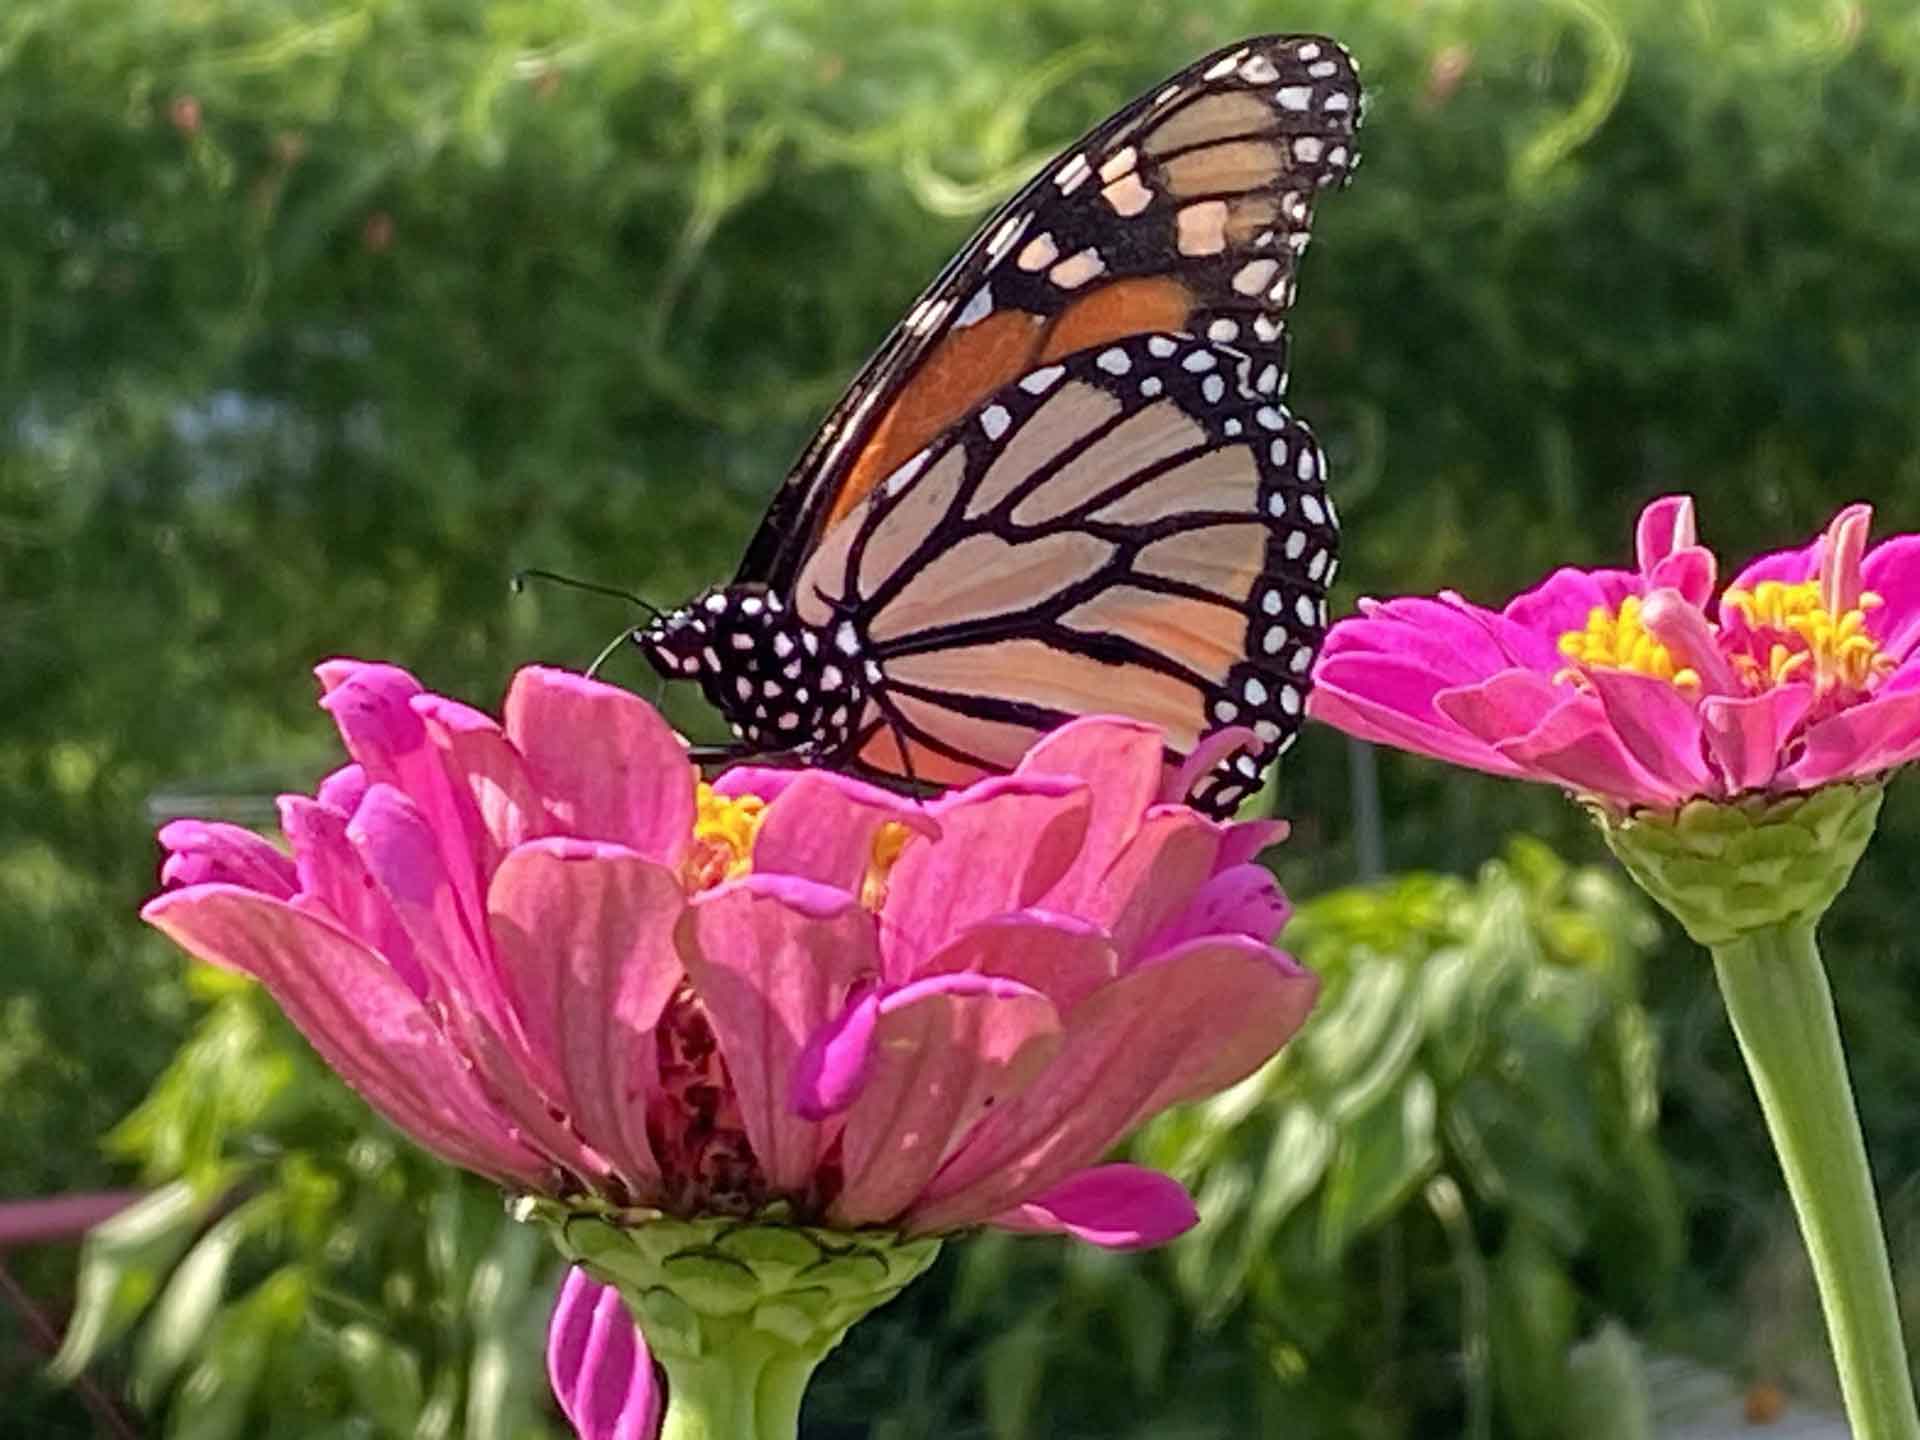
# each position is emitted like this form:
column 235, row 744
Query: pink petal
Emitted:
column 1449, row 638
column 1062, row 957
column 402, row 856
column 1245, row 839
column 344, row 789
column 1214, row 747
column 837, row 1060
column 1858, row 743
column 1119, row 1207
column 1244, row 900
column 1575, row 747
column 607, row 765
column 205, row 851
column 1666, row 525
column 1516, row 644
column 1504, row 706
column 1689, row 573
column 1003, row 843
column 372, row 705
column 1148, row 883
column 359, row 1015
column 1791, row 567
column 334, row 883
column 598, row 1363
column 822, row 827
column 1748, row 737
column 1846, row 542
column 1123, row 765
column 946, row 1052
column 1391, row 702
column 1191, row 1022
column 773, row 959
column 394, row 844
column 1892, row 571
column 1658, row 725
column 476, row 755
column 584, row 933
column 1565, row 598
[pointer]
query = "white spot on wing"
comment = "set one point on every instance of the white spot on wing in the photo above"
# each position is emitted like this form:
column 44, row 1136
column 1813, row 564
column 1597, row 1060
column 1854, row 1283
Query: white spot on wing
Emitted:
column 1038, row 253
column 903, row 476
column 976, row 309
column 1076, row 270
column 995, row 420
column 1042, row 380
column 1252, row 277
column 1114, row 361
column 1294, row 97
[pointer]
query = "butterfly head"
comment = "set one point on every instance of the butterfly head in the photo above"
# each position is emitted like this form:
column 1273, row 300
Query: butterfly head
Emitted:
column 780, row 688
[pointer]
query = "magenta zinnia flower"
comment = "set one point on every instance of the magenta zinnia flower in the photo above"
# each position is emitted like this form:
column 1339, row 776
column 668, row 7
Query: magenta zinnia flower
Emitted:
column 1644, row 688
column 550, row 955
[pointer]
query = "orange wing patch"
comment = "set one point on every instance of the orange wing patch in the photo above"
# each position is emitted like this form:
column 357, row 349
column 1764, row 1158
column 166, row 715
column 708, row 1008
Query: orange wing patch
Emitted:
column 960, row 372
column 970, row 364
column 1126, row 307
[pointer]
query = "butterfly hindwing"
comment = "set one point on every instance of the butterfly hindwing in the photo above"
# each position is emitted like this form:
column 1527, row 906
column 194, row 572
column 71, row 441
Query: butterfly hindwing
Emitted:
column 1186, row 211
column 1140, row 526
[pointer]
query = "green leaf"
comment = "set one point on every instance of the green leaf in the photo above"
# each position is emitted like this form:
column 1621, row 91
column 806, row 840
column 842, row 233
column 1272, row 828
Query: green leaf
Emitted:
column 122, row 1262
column 179, row 1322
column 1012, row 1370
column 1384, row 1155
column 1533, row 1308
column 1344, row 1044
column 215, row 1401
column 1607, row 1395
column 1303, row 1146
column 385, row 1378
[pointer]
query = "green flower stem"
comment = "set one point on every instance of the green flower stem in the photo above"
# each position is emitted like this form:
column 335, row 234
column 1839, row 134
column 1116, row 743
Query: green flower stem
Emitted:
column 748, row 1391
column 1782, row 1011
column 737, row 1312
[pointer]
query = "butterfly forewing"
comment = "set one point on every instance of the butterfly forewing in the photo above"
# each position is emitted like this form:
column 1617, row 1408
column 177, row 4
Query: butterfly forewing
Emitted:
column 1186, row 211
column 1142, row 527
column 1067, row 483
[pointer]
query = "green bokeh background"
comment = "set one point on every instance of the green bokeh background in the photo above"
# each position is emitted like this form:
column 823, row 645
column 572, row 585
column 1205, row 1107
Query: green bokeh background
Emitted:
column 319, row 318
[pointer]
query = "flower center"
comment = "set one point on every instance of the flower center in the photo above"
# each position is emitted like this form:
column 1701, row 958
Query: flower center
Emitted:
column 694, row 1125
column 1618, row 640
column 1792, row 636
column 724, row 828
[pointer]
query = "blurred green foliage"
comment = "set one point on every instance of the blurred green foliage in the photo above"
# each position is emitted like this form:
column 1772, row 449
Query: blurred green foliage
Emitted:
column 319, row 317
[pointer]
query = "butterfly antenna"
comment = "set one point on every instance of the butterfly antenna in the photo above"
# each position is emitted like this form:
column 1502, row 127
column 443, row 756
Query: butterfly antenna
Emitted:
column 520, row 578
column 612, row 645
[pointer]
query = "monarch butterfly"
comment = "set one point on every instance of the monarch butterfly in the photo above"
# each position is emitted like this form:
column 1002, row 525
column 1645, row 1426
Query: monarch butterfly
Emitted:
column 1066, row 483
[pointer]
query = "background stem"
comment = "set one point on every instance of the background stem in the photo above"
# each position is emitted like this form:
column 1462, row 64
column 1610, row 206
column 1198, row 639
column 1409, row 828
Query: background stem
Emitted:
column 1782, row 1011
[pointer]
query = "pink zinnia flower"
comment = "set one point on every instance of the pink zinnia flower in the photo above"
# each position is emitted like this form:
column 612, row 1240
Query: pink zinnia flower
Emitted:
column 1645, row 689
column 550, row 955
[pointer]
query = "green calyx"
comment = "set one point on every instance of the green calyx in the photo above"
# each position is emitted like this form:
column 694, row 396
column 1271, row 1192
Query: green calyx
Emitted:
column 738, row 1312
column 1725, row 869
